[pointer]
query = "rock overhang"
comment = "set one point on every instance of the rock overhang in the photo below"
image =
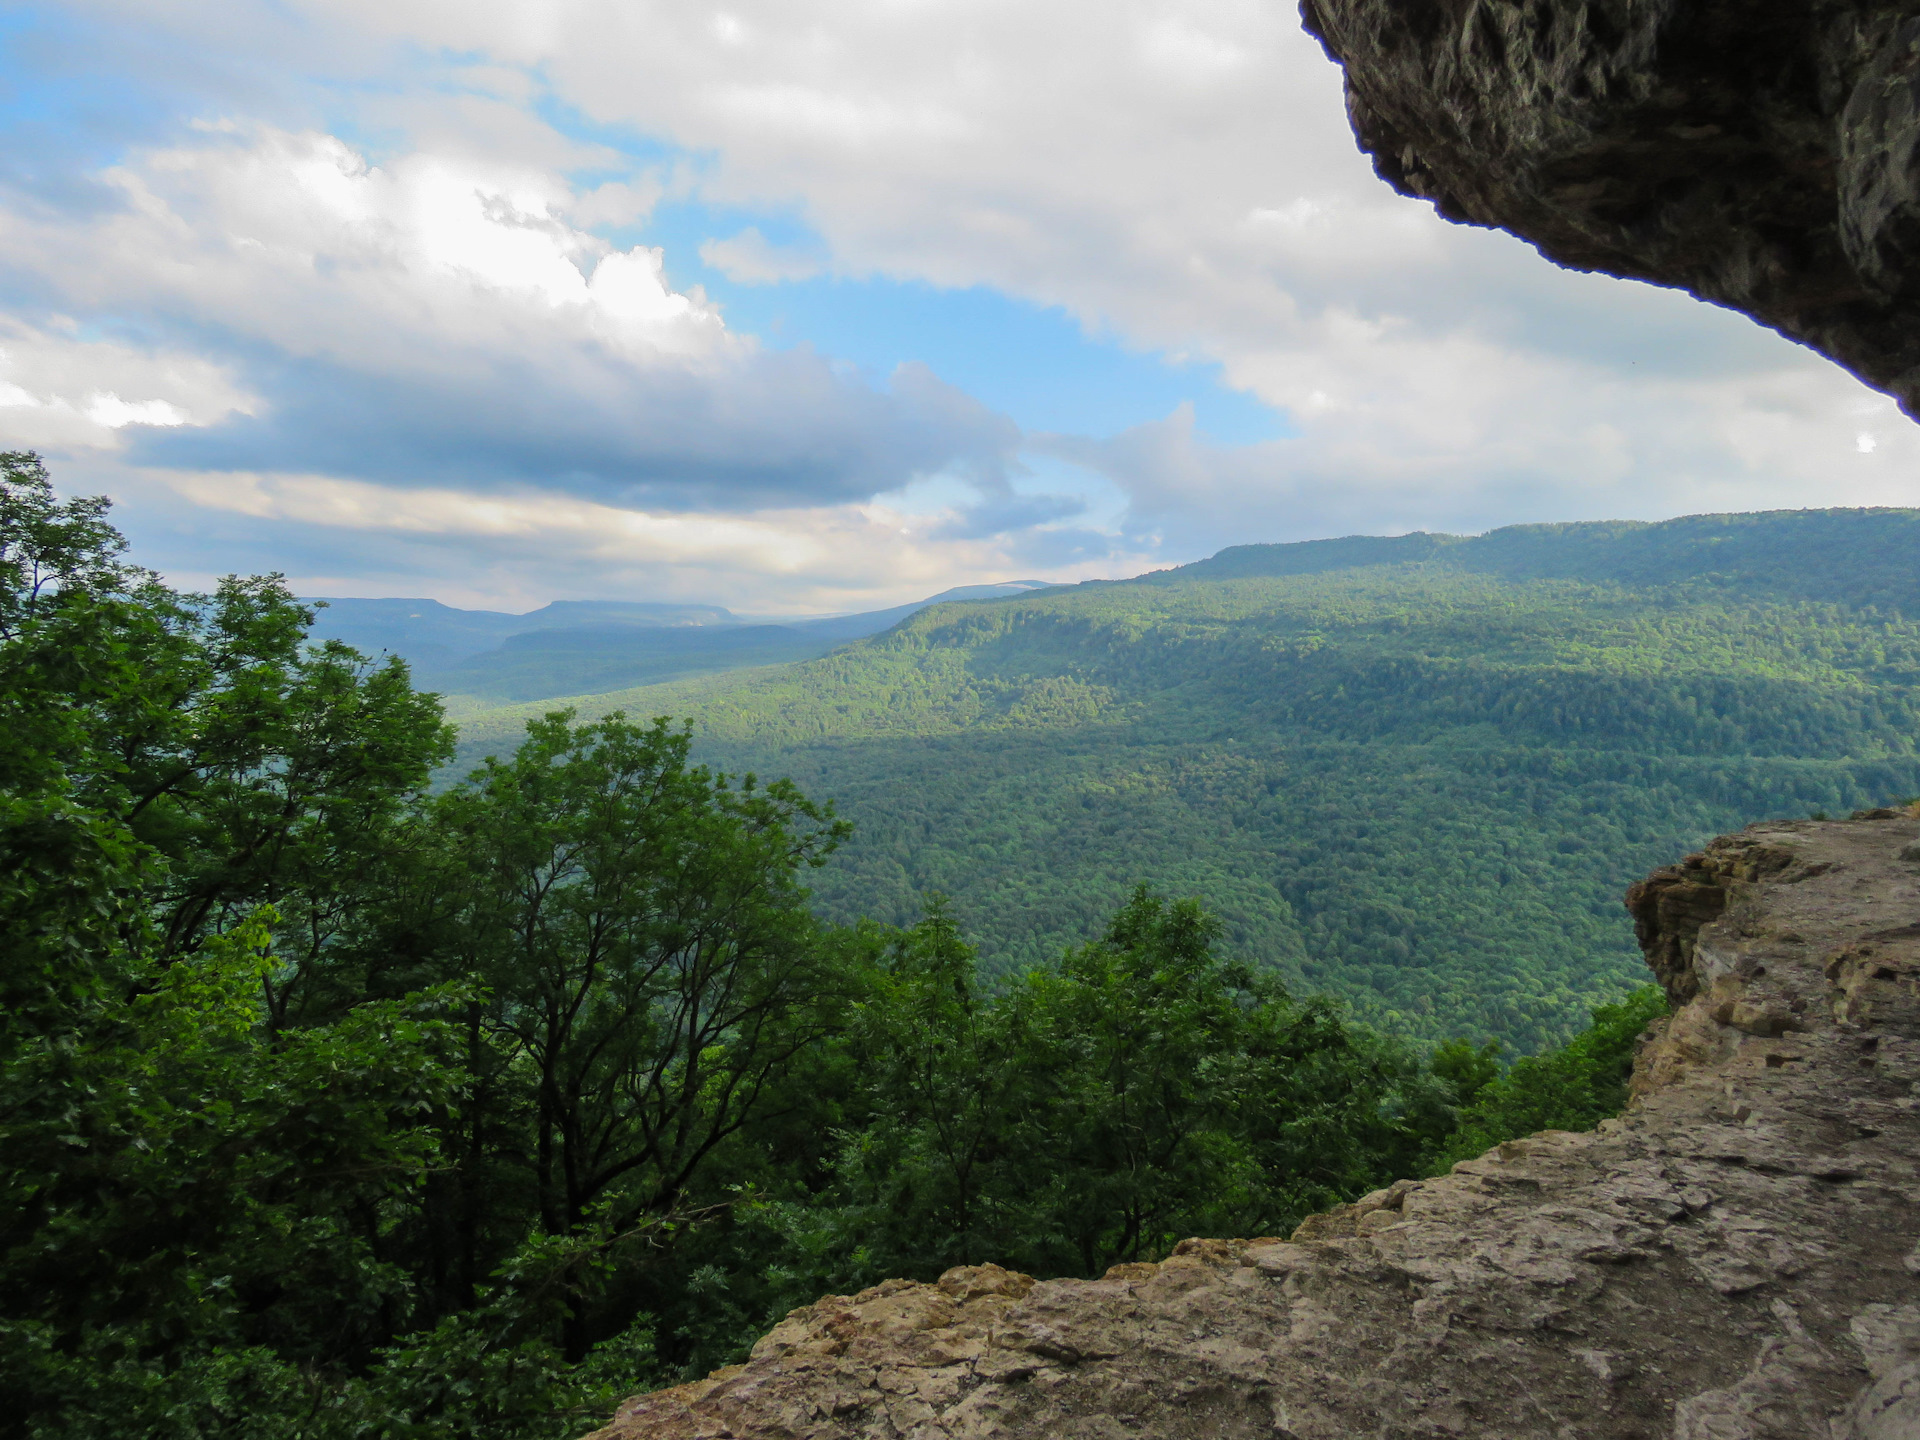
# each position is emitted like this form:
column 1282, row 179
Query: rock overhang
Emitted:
column 1762, row 154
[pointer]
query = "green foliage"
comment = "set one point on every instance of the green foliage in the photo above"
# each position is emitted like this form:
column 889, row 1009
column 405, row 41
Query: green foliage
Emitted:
column 484, row 1372
column 1573, row 1088
column 1096, row 1110
column 350, row 1110
column 652, row 977
column 216, row 1165
column 1465, row 1070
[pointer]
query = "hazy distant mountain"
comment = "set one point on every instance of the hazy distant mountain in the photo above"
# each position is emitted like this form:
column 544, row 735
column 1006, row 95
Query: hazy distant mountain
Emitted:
column 589, row 660
column 584, row 647
column 427, row 633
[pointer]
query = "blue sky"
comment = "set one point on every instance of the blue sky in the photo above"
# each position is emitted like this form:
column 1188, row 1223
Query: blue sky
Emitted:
column 807, row 306
column 1036, row 364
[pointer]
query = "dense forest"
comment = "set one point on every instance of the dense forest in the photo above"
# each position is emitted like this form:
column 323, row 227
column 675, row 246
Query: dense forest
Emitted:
column 1416, row 773
column 341, row 1104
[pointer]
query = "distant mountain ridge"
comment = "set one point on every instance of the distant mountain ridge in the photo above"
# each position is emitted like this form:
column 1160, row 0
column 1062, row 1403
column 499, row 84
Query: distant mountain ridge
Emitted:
column 1856, row 557
column 1863, row 557
column 587, row 647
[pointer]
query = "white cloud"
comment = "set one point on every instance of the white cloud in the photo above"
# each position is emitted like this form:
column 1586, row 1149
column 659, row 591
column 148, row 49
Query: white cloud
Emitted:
column 295, row 239
column 1176, row 173
column 504, row 548
column 751, row 259
column 615, row 203
column 1702, row 446
column 109, row 410
column 63, row 390
column 432, row 317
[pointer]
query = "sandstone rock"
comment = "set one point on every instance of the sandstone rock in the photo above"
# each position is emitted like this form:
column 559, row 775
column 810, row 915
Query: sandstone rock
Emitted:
column 1733, row 1259
column 1889, row 1339
column 1763, row 154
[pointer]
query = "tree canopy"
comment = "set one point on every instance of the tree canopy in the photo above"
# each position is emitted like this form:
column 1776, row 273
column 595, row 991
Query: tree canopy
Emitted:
column 339, row 1104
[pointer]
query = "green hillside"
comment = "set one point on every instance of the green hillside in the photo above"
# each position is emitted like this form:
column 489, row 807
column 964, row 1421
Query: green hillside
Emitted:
column 1416, row 772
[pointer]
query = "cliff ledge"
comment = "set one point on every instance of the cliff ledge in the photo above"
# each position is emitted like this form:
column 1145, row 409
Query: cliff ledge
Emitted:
column 1733, row 1259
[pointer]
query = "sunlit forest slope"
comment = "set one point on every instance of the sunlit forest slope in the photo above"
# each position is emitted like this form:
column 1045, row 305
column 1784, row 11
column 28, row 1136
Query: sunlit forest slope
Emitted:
column 1414, row 772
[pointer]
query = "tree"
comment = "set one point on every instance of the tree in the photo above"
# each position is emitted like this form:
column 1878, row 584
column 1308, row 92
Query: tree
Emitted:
column 182, row 1179
column 1141, row 1032
column 330, row 1103
column 944, row 1081
column 1466, row 1071
column 190, row 744
column 651, row 966
column 66, row 871
column 1142, row 1089
column 1572, row 1088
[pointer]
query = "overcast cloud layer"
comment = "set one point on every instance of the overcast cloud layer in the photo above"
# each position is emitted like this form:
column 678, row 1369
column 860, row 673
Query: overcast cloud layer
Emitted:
column 448, row 299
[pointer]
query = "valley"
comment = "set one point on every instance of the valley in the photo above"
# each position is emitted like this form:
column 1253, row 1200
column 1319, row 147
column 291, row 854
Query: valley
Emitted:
column 1416, row 773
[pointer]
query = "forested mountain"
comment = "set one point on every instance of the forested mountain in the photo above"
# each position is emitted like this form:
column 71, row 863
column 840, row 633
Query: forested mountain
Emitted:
column 1416, row 772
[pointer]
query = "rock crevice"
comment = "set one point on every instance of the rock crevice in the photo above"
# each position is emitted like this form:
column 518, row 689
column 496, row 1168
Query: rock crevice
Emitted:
column 1734, row 1257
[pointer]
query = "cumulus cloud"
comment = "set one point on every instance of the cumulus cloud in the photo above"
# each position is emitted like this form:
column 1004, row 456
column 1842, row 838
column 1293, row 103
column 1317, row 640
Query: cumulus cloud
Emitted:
column 429, row 318
column 62, row 390
column 447, row 313
column 1688, row 447
column 750, row 258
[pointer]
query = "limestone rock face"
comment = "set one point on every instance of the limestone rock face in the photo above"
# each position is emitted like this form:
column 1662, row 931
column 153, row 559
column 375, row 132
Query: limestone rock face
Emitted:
column 1733, row 1259
column 1763, row 154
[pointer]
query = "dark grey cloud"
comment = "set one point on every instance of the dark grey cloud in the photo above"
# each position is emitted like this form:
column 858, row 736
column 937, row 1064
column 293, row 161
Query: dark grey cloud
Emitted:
column 772, row 429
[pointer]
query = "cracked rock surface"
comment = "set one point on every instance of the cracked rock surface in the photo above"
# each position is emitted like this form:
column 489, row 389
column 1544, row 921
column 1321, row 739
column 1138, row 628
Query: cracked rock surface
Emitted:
column 1763, row 154
column 1733, row 1259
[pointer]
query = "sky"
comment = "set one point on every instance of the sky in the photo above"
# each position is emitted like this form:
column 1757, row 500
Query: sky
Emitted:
column 803, row 307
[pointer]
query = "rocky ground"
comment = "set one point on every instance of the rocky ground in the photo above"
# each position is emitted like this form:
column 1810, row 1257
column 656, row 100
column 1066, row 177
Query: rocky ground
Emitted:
column 1735, row 1257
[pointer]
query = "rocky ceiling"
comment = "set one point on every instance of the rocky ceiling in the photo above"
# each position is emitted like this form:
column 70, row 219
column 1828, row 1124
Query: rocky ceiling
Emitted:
column 1758, row 153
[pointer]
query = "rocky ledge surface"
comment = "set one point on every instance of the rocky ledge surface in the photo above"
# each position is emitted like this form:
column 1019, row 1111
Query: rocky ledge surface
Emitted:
column 1735, row 1257
column 1764, row 154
